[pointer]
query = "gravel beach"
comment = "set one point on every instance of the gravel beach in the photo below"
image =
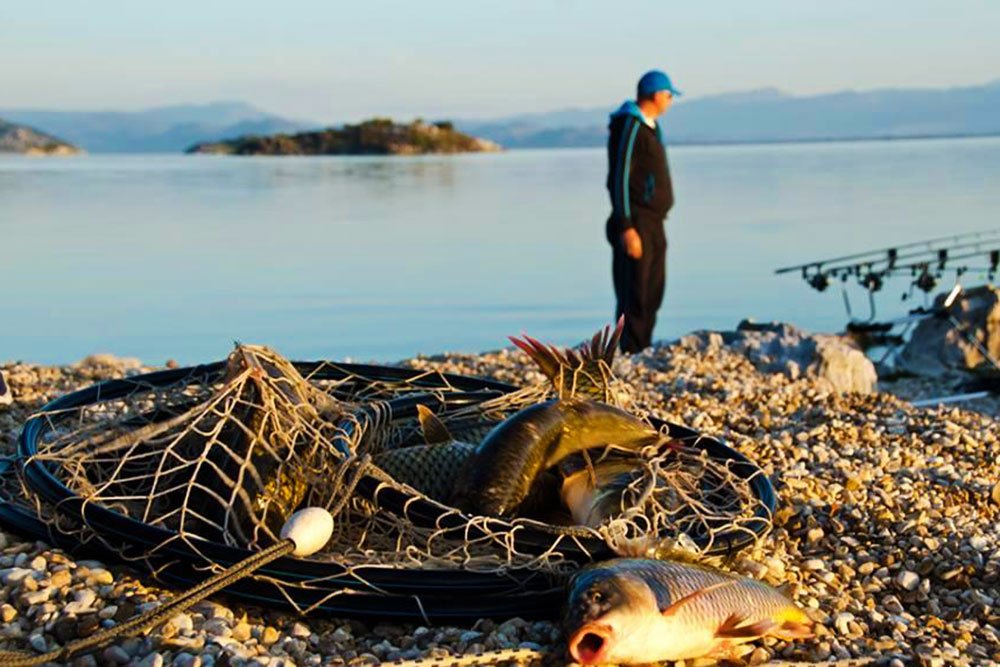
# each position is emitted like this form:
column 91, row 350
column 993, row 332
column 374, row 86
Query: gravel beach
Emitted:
column 887, row 528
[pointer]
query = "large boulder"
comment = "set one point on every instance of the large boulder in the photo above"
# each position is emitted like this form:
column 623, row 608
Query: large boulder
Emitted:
column 6, row 396
column 940, row 346
column 778, row 347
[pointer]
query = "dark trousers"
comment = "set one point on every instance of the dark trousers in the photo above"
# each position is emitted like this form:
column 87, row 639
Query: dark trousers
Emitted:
column 639, row 283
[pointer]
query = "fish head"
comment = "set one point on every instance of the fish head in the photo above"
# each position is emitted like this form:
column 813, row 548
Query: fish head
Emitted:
column 605, row 613
column 593, row 492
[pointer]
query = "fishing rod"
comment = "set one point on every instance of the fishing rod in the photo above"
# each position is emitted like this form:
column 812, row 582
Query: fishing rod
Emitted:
column 925, row 267
column 981, row 236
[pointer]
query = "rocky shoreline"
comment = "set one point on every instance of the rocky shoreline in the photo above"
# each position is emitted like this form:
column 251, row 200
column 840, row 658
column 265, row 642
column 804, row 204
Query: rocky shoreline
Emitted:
column 887, row 529
column 15, row 138
column 378, row 136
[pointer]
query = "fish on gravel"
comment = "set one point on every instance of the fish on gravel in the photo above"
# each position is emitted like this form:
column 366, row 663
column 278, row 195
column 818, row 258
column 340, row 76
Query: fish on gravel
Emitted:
column 634, row 611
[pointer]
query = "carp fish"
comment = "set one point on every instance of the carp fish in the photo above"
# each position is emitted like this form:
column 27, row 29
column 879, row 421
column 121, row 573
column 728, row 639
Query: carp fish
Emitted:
column 594, row 492
column 500, row 473
column 633, row 611
column 430, row 468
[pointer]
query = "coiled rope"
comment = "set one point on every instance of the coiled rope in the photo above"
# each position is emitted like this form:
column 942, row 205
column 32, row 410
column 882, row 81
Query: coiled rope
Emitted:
column 153, row 617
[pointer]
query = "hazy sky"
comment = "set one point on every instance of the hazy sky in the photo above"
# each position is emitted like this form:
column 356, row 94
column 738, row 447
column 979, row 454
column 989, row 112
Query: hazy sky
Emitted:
column 331, row 61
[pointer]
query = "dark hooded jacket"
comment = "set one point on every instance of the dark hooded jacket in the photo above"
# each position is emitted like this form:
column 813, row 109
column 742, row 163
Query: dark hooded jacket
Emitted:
column 638, row 174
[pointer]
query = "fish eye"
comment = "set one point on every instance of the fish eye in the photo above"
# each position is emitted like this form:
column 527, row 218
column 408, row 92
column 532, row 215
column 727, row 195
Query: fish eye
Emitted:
column 597, row 596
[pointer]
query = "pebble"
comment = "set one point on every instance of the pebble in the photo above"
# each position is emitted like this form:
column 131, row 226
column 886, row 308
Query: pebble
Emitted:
column 907, row 580
column 182, row 623
column 99, row 577
column 886, row 529
column 154, row 659
column 60, row 579
column 843, row 621
column 116, row 655
column 38, row 643
column 242, row 632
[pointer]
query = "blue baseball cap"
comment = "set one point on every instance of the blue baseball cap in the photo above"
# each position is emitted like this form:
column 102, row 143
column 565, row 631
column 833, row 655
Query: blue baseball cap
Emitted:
column 655, row 81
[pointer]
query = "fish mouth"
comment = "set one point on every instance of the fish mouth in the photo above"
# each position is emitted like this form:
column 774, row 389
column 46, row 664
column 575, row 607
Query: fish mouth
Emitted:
column 589, row 644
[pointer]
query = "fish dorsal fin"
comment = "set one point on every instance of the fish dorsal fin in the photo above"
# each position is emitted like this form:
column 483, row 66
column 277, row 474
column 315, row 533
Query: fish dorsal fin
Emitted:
column 734, row 628
column 584, row 370
column 434, row 430
column 691, row 597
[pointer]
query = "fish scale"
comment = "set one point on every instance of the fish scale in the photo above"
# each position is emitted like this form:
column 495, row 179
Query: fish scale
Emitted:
column 641, row 610
column 430, row 469
column 676, row 581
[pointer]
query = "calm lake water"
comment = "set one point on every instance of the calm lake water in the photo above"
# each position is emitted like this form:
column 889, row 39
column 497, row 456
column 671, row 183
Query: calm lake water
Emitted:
column 160, row 256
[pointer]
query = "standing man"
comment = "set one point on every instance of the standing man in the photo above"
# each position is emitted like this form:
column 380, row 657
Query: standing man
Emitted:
column 641, row 195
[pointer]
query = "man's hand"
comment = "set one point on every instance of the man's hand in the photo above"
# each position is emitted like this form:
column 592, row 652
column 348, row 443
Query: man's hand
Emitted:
column 632, row 243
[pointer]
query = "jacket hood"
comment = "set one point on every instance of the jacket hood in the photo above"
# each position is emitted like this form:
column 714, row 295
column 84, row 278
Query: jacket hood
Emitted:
column 630, row 108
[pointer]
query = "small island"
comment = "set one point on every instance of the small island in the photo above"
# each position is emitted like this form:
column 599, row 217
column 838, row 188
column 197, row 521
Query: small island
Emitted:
column 379, row 136
column 25, row 140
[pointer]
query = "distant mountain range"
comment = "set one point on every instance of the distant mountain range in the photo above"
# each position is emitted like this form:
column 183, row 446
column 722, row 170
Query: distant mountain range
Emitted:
column 770, row 116
column 767, row 115
column 169, row 129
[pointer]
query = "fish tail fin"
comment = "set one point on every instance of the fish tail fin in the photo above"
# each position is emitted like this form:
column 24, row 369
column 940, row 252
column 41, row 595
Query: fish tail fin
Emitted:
column 581, row 370
column 793, row 623
column 790, row 630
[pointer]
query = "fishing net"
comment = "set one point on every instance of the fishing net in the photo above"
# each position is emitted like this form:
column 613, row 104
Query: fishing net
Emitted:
column 184, row 472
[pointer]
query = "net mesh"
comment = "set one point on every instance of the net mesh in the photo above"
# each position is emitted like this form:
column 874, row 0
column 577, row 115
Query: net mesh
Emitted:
column 225, row 453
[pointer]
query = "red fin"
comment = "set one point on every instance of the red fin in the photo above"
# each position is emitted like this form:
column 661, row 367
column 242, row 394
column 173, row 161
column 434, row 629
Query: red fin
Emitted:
column 546, row 357
column 790, row 630
column 561, row 365
column 733, row 628
column 691, row 597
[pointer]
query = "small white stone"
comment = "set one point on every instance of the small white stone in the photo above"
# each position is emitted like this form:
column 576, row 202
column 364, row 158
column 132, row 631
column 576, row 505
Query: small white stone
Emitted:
column 38, row 597
column 182, row 622
column 842, row 622
column 85, row 597
column 77, row 608
column 16, row 575
column 979, row 543
column 908, row 580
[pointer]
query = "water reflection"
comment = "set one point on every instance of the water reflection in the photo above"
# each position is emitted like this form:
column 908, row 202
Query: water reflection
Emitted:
column 380, row 258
